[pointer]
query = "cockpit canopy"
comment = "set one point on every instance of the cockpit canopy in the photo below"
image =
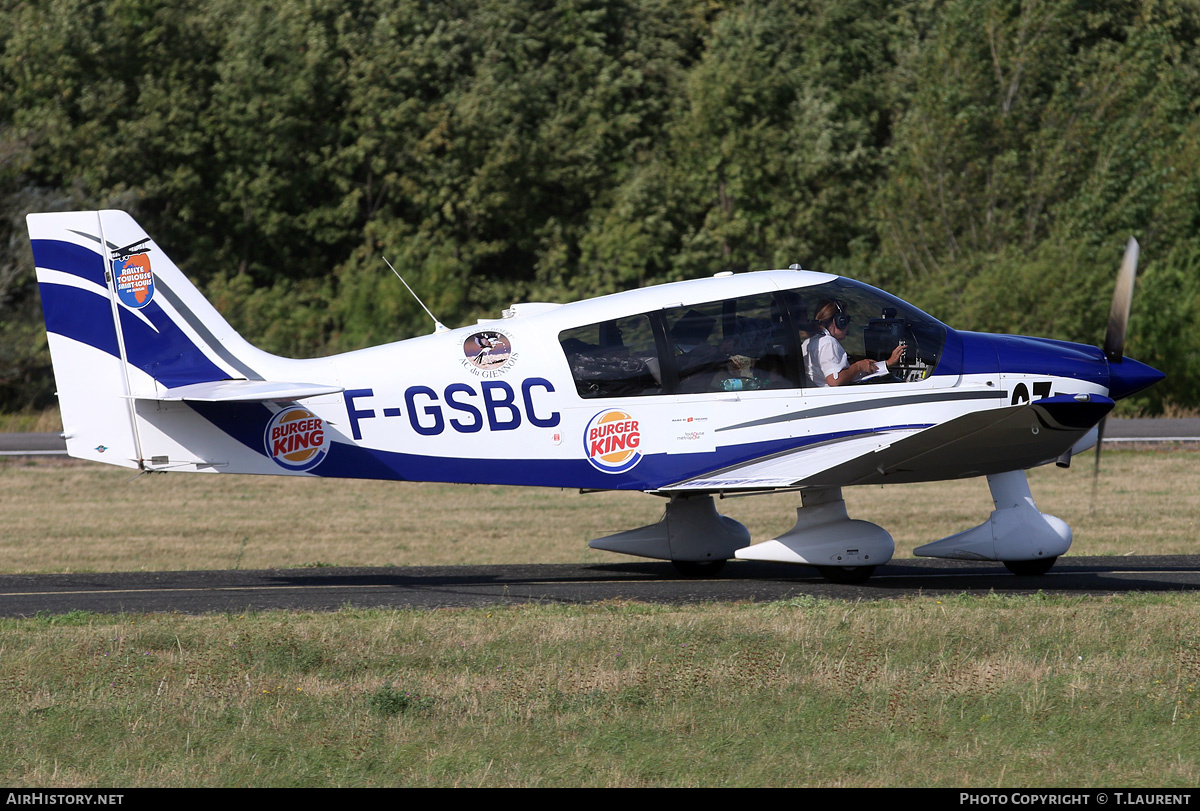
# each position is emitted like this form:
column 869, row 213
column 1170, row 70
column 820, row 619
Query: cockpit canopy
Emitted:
column 747, row 343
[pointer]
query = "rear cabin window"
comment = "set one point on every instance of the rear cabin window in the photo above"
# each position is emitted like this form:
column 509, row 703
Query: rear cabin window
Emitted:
column 742, row 344
column 738, row 344
column 617, row 358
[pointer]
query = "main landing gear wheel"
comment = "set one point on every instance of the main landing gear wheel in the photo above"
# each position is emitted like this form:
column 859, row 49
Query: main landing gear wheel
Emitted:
column 698, row 568
column 1030, row 567
column 846, row 575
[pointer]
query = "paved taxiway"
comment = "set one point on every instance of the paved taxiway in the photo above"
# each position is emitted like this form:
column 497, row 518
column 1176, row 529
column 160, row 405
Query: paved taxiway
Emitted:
column 203, row 592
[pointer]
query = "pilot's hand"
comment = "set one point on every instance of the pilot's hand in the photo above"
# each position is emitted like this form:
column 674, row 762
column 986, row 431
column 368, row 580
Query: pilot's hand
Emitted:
column 897, row 355
column 865, row 367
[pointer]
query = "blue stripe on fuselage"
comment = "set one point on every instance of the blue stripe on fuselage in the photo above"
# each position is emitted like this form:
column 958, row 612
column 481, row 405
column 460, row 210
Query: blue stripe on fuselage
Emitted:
column 653, row 472
column 246, row 422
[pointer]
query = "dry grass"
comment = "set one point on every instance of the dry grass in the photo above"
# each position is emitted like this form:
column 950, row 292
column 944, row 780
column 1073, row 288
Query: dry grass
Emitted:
column 62, row 515
column 43, row 421
column 965, row 691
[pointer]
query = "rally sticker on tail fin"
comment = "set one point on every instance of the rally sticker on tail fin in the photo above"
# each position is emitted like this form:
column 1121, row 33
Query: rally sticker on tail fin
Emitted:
column 296, row 439
column 133, row 277
column 611, row 441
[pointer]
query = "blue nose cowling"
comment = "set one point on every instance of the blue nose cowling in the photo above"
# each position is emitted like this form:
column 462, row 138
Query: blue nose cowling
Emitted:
column 1018, row 354
column 1129, row 377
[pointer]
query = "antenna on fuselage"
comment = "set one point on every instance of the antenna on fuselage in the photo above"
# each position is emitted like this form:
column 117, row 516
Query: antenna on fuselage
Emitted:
column 438, row 326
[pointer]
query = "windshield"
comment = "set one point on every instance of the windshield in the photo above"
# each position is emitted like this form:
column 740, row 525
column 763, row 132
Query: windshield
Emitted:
column 748, row 343
column 878, row 323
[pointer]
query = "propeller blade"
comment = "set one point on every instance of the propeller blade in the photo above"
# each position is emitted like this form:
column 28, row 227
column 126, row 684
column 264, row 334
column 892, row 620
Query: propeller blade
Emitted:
column 1118, row 314
column 1096, row 469
column 1114, row 336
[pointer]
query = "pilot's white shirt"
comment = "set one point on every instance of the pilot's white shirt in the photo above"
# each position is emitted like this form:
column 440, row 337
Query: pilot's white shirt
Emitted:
column 824, row 356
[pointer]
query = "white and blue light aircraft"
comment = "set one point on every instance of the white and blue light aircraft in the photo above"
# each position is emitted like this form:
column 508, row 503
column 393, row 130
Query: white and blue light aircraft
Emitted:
column 687, row 391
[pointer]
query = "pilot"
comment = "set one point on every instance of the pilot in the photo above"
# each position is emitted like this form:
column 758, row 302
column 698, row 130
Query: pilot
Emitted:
column 825, row 360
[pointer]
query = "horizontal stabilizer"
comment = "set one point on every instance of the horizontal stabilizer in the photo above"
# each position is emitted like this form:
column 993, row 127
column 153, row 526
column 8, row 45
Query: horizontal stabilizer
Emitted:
column 243, row 391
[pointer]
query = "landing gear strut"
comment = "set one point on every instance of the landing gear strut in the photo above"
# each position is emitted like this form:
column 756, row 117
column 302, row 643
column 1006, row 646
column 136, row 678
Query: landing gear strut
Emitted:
column 843, row 550
column 691, row 534
column 1027, row 541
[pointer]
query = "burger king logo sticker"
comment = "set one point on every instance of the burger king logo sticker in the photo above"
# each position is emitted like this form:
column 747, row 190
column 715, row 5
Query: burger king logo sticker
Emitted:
column 611, row 441
column 296, row 439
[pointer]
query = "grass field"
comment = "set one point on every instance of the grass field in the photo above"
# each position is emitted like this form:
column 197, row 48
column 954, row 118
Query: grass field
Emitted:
column 970, row 691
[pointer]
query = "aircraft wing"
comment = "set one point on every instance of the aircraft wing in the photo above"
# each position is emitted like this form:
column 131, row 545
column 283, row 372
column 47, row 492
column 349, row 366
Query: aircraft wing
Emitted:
column 242, row 391
column 791, row 468
column 975, row 444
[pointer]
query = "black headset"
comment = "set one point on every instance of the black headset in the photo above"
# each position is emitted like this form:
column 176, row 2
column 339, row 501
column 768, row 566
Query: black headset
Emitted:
column 842, row 319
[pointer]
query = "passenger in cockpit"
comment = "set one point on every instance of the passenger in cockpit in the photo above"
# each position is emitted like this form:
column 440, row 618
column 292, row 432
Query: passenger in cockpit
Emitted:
column 825, row 360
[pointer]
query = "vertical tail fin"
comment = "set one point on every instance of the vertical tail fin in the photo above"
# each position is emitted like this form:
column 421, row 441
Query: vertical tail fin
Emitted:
column 124, row 324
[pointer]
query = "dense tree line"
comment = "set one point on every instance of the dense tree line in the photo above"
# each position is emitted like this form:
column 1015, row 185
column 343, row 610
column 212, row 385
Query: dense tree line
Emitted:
column 986, row 159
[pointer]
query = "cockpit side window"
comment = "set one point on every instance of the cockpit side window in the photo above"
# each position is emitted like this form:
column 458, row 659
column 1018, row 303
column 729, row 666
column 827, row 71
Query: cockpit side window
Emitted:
column 878, row 323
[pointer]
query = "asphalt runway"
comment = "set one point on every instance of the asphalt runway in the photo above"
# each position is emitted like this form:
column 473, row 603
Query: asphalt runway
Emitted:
column 205, row 592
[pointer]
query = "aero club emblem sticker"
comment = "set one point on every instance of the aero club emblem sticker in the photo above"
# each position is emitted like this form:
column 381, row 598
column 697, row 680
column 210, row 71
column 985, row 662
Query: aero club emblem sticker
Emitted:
column 132, row 276
column 611, row 441
column 487, row 354
column 296, row 439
